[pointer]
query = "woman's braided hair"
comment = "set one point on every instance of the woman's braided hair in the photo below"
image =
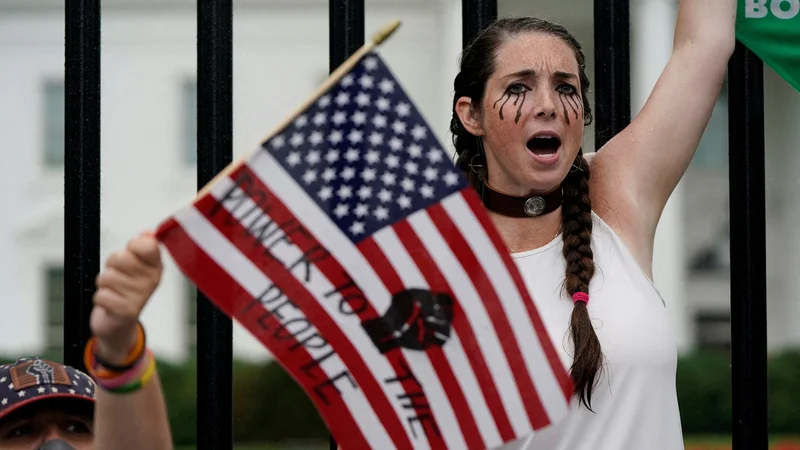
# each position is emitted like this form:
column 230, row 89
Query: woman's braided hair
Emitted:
column 477, row 65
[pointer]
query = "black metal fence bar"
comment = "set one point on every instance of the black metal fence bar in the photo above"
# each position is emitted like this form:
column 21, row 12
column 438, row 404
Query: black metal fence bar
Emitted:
column 748, row 250
column 346, row 36
column 475, row 16
column 214, row 153
column 346, row 30
column 612, row 73
column 81, row 171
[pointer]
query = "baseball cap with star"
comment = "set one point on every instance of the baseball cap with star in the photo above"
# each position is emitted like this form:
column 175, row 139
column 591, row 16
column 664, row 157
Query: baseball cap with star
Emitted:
column 29, row 380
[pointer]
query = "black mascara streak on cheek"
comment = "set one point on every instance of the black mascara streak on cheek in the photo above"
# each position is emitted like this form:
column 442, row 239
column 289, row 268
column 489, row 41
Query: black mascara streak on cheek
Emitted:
column 564, row 105
column 574, row 101
column 519, row 108
column 507, row 96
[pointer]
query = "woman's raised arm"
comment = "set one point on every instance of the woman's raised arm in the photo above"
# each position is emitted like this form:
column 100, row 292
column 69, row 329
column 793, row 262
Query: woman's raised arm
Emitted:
column 635, row 172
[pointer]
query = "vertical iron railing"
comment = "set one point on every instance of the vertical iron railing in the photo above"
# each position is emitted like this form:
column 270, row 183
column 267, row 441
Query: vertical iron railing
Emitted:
column 214, row 153
column 612, row 73
column 81, row 171
column 346, row 30
column 346, row 36
column 748, row 249
column 475, row 16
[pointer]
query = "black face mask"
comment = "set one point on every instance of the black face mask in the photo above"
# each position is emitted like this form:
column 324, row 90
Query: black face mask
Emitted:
column 56, row 444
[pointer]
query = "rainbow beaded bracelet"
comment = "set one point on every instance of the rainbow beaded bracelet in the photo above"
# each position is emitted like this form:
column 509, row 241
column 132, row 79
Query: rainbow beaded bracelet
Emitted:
column 126, row 382
column 131, row 384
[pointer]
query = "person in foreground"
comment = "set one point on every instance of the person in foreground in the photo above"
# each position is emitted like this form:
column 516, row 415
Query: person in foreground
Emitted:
column 583, row 239
column 48, row 406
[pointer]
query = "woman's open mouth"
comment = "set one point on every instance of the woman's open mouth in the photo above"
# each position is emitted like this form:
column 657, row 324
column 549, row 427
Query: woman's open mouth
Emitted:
column 544, row 148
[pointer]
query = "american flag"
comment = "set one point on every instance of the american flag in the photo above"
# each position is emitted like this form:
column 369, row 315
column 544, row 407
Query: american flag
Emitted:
column 353, row 249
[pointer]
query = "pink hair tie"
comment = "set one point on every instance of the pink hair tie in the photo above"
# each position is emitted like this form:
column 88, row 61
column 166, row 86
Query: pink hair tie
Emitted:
column 580, row 297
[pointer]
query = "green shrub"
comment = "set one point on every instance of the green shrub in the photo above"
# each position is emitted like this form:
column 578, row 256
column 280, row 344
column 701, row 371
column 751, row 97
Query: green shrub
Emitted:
column 783, row 378
column 704, row 393
column 179, row 383
column 269, row 406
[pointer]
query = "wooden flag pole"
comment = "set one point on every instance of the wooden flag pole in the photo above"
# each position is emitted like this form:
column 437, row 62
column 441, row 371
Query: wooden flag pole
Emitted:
column 377, row 39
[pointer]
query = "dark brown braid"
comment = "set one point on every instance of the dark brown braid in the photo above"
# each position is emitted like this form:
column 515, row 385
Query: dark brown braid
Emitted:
column 477, row 65
column 576, row 226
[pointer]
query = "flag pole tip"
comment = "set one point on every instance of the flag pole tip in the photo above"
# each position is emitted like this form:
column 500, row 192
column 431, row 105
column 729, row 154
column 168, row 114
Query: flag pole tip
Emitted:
column 387, row 31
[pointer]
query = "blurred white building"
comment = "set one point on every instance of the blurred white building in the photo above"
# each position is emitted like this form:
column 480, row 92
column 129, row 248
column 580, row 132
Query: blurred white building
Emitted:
column 280, row 57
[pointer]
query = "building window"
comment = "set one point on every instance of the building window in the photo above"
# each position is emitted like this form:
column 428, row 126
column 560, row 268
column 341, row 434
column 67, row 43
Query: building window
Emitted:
column 54, row 297
column 53, row 92
column 713, row 330
column 189, row 127
column 714, row 257
column 190, row 294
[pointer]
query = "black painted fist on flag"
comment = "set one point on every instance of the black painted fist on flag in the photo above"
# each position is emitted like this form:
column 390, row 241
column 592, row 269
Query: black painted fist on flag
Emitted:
column 416, row 320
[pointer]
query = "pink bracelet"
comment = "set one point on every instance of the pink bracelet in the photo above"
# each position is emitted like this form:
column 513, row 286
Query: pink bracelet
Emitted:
column 125, row 378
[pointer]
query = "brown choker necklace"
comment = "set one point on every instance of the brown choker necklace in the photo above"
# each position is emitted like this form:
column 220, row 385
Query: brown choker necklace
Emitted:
column 528, row 206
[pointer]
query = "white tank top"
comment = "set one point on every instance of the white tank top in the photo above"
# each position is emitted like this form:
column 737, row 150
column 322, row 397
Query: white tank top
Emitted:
column 635, row 403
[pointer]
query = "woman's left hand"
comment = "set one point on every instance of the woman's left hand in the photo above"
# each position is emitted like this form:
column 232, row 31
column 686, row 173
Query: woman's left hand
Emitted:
column 125, row 285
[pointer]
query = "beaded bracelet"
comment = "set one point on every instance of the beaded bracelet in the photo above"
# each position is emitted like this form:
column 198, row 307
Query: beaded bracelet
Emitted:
column 124, row 378
column 135, row 354
column 104, row 369
column 126, row 382
column 136, row 384
column 133, row 382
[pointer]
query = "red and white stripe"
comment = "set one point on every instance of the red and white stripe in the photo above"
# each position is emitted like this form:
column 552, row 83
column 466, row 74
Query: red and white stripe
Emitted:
column 497, row 378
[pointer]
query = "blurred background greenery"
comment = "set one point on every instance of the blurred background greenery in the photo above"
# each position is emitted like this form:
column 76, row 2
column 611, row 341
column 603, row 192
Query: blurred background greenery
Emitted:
column 271, row 411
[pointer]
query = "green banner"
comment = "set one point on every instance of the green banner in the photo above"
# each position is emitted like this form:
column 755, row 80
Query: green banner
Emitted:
column 771, row 30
